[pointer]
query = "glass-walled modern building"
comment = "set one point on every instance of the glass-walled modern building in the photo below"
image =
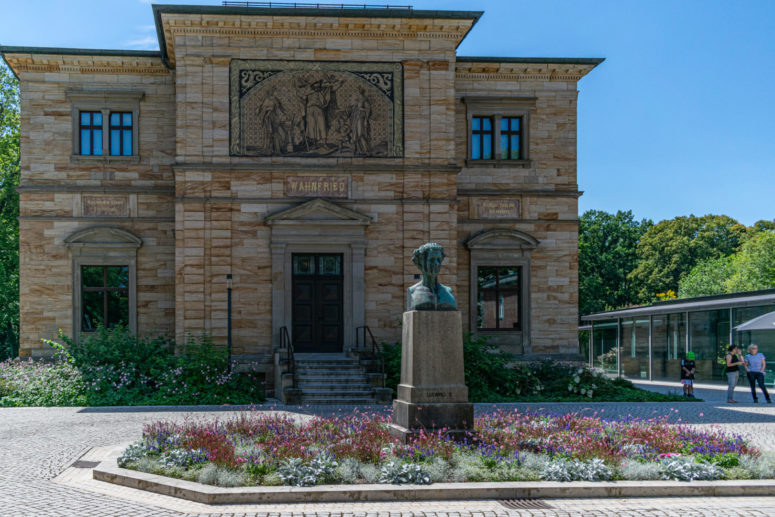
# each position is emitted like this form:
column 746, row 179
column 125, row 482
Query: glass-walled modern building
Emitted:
column 648, row 343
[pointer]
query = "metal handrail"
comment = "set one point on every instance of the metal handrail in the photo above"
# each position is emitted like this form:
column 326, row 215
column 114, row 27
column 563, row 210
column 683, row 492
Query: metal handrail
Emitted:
column 306, row 5
column 376, row 350
column 287, row 344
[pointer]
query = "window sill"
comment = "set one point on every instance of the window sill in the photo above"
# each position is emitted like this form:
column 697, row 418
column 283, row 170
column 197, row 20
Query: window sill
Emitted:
column 523, row 164
column 80, row 158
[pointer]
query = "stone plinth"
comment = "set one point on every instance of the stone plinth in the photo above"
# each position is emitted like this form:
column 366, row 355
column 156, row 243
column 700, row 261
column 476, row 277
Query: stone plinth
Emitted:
column 432, row 393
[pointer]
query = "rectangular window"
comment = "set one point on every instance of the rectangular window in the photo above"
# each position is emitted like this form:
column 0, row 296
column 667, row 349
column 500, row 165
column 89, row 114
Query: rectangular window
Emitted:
column 481, row 138
column 510, row 138
column 498, row 298
column 105, row 296
column 121, row 134
column 90, row 126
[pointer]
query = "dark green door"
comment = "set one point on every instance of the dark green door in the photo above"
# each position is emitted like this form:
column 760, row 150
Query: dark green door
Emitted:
column 317, row 302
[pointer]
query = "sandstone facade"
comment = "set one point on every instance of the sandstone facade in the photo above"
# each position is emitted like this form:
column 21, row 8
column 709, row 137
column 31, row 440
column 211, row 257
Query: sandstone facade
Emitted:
column 202, row 211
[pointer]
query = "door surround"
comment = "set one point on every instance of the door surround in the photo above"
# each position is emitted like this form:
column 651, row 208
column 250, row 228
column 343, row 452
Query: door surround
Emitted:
column 318, row 226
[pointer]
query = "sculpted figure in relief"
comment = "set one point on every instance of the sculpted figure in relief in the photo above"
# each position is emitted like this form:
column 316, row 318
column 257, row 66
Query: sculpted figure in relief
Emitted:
column 428, row 294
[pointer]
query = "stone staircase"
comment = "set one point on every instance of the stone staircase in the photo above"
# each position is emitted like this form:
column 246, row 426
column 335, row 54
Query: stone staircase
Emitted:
column 337, row 379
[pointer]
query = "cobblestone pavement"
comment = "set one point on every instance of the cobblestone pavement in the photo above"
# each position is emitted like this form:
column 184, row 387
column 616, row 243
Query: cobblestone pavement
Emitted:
column 37, row 444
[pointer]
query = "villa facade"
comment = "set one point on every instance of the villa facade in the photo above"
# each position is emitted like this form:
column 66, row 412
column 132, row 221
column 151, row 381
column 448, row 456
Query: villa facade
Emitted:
column 296, row 157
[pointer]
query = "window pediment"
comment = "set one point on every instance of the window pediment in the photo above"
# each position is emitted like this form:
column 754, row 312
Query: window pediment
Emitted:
column 501, row 239
column 103, row 237
column 318, row 211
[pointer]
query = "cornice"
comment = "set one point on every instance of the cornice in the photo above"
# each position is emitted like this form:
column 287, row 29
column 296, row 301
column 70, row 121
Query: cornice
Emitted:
column 171, row 25
column 85, row 64
column 514, row 71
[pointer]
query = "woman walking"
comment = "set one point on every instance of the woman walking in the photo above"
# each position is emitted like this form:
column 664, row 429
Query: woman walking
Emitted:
column 734, row 362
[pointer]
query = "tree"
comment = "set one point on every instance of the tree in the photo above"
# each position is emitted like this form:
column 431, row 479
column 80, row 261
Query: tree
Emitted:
column 750, row 269
column 669, row 250
column 9, row 213
column 754, row 267
column 607, row 255
column 706, row 278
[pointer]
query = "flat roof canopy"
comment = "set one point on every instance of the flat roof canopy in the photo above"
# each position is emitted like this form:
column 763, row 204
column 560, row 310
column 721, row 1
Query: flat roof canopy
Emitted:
column 704, row 303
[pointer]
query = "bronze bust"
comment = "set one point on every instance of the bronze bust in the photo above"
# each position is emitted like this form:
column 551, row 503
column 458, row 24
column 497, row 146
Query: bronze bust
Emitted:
column 428, row 294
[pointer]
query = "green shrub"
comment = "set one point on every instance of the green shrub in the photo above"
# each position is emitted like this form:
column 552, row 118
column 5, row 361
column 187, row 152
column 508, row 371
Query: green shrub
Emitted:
column 119, row 368
column 492, row 376
column 40, row 383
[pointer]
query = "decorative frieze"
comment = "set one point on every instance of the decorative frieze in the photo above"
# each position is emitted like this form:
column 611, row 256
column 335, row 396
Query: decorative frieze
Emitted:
column 316, row 109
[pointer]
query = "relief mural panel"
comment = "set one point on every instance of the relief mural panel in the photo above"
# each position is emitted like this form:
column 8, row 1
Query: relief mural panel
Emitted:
column 316, row 109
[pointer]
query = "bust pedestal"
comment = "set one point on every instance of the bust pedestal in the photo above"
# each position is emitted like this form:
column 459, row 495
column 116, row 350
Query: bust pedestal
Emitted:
column 432, row 394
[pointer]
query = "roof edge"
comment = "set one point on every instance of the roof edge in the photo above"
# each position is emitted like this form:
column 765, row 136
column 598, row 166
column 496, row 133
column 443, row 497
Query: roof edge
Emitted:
column 65, row 51
column 369, row 12
column 533, row 60
column 664, row 306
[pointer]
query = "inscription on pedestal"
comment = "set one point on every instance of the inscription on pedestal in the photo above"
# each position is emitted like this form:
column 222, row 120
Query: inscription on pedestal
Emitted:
column 497, row 209
column 104, row 206
column 317, row 186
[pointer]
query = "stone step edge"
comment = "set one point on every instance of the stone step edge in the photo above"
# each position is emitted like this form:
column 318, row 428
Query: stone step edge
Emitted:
column 206, row 494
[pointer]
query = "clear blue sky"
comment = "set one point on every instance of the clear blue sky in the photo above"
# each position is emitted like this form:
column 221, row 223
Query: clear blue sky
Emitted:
column 679, row 119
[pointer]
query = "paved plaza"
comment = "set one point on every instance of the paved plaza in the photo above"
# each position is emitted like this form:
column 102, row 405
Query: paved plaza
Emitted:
column 38, row 444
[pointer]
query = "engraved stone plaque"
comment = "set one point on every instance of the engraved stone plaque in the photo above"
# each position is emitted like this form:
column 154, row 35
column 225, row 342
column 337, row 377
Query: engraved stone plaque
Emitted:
column 317, row 186
column 104, row 206
column 316, row 108
column 497, row 208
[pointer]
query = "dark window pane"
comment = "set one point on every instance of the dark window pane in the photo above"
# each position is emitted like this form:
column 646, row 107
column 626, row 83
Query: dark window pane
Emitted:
column 97, row 142
column 85, row 118
column 486, row 124
column 476, row 123
column 115, row 119
column 508, row 277
column 117, row 276
column 476, row 148
column 508, row 310
column 93, row 308
column 486, row 277
column 330, row 265
column 127, row 143
column 303, row 264
column 486, row 310
column 126, row 119
column 118, row 308
column 96, row 119
column 504, row 147
column 504, row 124
column 487, row 147
column 115, row 142
column 92, row 276
column 515, row 124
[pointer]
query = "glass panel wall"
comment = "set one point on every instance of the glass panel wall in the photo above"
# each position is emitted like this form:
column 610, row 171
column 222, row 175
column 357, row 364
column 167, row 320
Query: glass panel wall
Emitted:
column 584, row 344
column 668, row 345
column 709, row 339
column 635, row 348
column 764, row 339
column 604, row 346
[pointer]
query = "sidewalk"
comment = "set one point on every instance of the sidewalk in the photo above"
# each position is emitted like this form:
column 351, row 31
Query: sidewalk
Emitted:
column 711, row 392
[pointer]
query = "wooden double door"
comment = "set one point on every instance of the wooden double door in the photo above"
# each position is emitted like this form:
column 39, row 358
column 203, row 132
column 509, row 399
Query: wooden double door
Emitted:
column 317, row 302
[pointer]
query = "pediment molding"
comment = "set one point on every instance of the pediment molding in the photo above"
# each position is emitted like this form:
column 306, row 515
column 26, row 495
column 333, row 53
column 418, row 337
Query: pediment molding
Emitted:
column 103, row 237
column 502, row 238
column 318, row 211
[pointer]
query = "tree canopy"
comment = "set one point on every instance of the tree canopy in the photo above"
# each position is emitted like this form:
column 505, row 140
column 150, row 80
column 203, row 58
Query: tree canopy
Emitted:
column 669, row 250
column 9, row 213
column 607, row 255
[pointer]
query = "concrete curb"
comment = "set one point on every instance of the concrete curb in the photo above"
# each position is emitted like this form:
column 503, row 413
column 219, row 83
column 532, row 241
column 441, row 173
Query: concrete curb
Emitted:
column 207, row 494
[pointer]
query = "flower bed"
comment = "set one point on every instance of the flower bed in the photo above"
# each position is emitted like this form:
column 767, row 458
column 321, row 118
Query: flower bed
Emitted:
column 272, row 449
